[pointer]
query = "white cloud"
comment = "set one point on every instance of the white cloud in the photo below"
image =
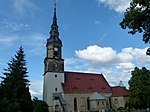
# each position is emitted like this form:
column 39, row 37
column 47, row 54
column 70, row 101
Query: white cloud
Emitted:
column 34, row 42
column 117, row 5
column 115, row 65
column 113, row 74
column 74, row 64
column 97, row 22
column 125, row 66
column 7, row 40
column 99, row 56
column 69, row 61
column 96, row 55
column 22, row 6
column 2, row 63
column 36, row 88
column 138, row 54
column 124, row 57
column 13, row 26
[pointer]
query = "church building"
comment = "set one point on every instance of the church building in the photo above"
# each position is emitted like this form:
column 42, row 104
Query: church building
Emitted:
column 67, row 91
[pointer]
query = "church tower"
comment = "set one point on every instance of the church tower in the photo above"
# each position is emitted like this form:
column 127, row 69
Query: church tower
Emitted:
column 53, row 69
column 53, row 61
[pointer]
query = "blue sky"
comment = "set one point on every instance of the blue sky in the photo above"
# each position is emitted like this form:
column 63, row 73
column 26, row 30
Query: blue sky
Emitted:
column 92, row 39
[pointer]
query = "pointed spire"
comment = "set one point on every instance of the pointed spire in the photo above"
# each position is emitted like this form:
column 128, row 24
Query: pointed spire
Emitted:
column 55, row 5
column 54, row 33
column 55, row 18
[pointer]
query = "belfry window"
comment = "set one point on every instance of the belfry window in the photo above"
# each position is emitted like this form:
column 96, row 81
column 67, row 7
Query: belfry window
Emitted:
column 55, row 51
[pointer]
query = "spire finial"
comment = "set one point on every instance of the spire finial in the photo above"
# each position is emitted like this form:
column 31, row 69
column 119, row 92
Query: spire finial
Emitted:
column 54, row 5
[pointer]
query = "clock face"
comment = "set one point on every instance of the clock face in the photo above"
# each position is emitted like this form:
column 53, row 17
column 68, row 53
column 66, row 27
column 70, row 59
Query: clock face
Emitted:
column 55, row 49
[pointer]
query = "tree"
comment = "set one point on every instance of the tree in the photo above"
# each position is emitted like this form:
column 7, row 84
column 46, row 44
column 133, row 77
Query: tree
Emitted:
column 14, row 88
column 139, row 87
column 137, row 19
column 39, row 106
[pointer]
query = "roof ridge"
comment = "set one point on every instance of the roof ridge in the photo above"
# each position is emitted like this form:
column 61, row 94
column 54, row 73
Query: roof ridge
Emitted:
column 83, row 72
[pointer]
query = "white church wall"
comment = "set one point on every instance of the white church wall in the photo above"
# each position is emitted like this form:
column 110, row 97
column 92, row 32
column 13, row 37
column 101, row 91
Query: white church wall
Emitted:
column 52, row 84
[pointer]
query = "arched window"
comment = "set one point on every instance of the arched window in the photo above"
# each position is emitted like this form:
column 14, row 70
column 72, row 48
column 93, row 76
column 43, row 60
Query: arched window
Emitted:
column 55, row 89
column 97, row 103
column 57, row 108
column 115, row 101
column 88, row 103
column 55, row 75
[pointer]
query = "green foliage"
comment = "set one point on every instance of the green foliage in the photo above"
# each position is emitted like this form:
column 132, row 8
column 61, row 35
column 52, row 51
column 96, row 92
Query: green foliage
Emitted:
column 39, row 106
column 137, row 18
column 126, row 110
column 133, row 110
column 14, row 88
column 139, row 87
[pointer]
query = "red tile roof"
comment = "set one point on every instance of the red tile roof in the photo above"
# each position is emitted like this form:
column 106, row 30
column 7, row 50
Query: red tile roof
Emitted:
column 119, row 91
column 76, row 82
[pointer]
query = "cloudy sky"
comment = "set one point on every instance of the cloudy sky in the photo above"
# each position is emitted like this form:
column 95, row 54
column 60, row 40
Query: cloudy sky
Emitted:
column 92, row 39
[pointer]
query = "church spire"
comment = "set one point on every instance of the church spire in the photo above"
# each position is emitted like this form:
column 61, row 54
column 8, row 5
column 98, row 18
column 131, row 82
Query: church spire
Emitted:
column 54, row 5
column 54, row 33
column 54, row 17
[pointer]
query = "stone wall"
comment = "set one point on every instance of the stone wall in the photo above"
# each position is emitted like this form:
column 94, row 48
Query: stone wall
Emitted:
column 81, row 102
column 118, row 102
